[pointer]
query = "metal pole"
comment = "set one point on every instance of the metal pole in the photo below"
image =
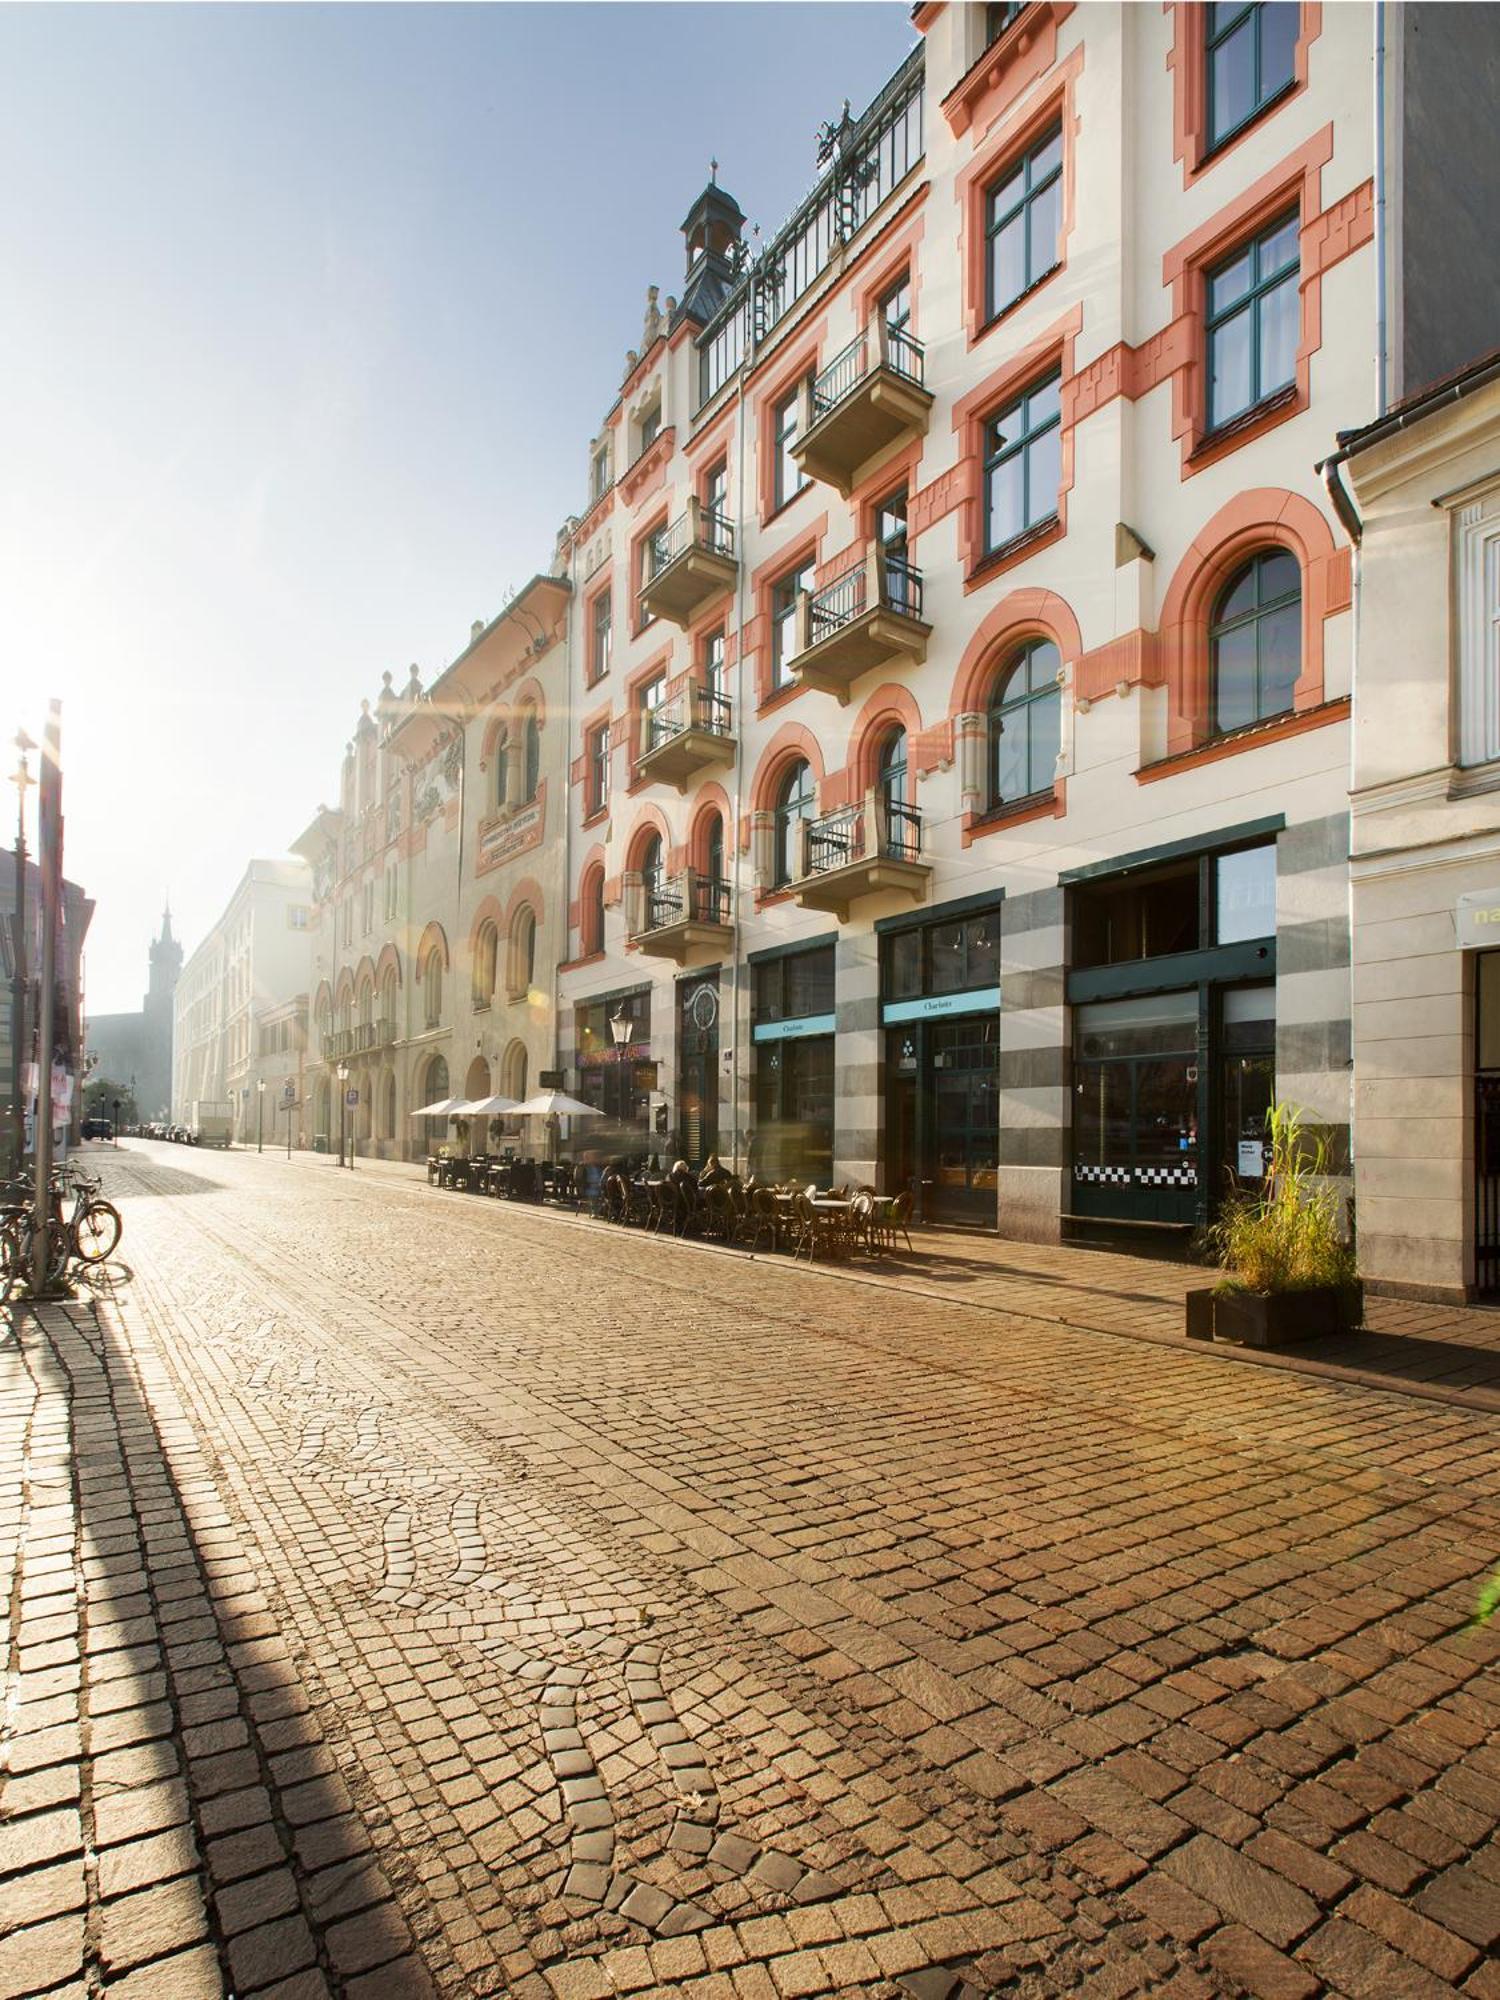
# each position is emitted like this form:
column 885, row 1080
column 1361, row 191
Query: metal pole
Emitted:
column 23, row 778
column 260, row 1118
column 289, row 1131
column 49, row 855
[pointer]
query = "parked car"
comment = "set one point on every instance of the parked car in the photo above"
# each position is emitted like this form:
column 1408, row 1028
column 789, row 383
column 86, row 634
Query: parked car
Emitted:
column 98, row 1128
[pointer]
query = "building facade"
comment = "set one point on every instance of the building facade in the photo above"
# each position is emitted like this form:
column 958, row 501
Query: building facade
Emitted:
column 136, row 1049
column 253, row 962
column 1426, row 842
column 962, row 635
column 440, row 893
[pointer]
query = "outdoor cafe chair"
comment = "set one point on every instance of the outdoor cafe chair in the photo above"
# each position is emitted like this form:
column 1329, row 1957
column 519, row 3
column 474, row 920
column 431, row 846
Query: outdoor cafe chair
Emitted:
column 764, row 1222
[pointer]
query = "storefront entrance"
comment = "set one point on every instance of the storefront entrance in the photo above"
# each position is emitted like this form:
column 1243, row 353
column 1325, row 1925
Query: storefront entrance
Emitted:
column 940, row 994
column 1487, row 1125
column 943, row 1115
column 698, row 1067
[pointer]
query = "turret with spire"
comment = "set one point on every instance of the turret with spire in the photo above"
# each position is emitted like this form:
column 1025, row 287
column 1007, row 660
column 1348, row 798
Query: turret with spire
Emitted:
column 166, row 963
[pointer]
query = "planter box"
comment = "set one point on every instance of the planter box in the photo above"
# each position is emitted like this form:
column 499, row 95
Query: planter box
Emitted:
column 1274, row 1319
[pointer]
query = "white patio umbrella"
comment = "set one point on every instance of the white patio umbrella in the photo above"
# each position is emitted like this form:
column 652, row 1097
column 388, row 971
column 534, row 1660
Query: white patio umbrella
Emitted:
column 485, row 1107
column 556, row 1104
column 446, row 1107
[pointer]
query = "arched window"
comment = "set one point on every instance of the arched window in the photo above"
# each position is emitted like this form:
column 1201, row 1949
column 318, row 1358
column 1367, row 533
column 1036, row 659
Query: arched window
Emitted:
column 366, row 1004
column 522, row 953
column 500, row 769
column 1025, row 724
column 651, row 869
column 1255, row 641
column 591, row 913
column 486, row 952
column 796, row 801
column 432, row 988
column 891, row 771
column 533, row 755
column 388, row 1005
column 713, row 892
column 513, row 1073
column 388, row 1106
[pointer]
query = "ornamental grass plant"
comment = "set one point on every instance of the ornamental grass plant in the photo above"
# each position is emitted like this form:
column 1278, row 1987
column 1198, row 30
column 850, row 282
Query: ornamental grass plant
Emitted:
column 1286, row 1237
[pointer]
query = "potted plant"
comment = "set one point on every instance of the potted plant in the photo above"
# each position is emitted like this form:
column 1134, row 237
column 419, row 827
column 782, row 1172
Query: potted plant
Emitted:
column 1289, row 1270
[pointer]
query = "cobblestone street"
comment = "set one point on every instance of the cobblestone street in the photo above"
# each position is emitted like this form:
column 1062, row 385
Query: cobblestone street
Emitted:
column 476, row 1600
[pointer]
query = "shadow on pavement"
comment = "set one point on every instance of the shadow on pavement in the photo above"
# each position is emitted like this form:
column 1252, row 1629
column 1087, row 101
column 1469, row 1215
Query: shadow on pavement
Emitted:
column 229, row 1853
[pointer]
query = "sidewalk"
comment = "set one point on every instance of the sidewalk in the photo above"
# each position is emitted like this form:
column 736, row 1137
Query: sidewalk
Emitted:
column 1446, row 1354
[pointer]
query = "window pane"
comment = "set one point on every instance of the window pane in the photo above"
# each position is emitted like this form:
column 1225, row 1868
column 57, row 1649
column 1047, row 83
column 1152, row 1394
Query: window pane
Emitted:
column 1044, row 403
column 1047, row 156
column 1234, row 678
column 1278, row 337
column 1278, row 45
column 1279, row 250
column 1280, row 657
column 1137, row 1027
column 1229, row 284
column 1279, row 576
column 903, row 966
column 950, row 971
column 1044, row 475
column 1245, row 893
column 1008, row 263
column 1043, row 664
column 1005, row 516
column 1229, row 390
column 809, row 982
column 1232, row 84
column 1046, row 221
column 1007, row 193
column 1010, row 755
column 1045, row 714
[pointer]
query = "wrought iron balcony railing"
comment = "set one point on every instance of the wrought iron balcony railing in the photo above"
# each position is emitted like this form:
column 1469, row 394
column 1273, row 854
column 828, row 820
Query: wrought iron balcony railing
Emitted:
column 697, row 527
column 878, row 346
column 693, row 707
column 889, row 584
column 689, row 898
column 876, row 828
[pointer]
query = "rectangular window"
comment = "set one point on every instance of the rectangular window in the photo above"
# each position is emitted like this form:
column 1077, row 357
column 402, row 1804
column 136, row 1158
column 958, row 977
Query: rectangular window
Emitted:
column 998, row 16
column 599, row 473
column 296, row 917
column 601, row 637
column 645, row 569
column 369, row 908
column 390, row 892
column 789, row 481
column 1023, row 218
column 1251, row 55
column 1023, row 463
column 1116, row 922
column 795, row 987
column 1479, row 631
column 784, row 595
column 895, row 307
column 597, row 773
column 650, row 428
column 1253, row 323
column 961, row 956
column 715, row 670
column 1245, row 895
column 649, row 698
column 716, row 494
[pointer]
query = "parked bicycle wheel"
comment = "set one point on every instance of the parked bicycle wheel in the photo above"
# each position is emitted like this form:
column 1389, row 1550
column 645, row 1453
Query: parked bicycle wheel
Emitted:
column 96, row 1231
column 16, row 1254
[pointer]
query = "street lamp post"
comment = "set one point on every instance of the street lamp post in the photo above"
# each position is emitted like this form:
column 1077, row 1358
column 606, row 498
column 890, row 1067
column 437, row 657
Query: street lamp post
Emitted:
column 342, row 1073
column 619, row 1028
column 260, row 1114
column 21, row 778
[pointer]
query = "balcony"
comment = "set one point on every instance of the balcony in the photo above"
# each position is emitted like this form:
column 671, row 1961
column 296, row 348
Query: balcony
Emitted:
column 867, row 849
column 680, row 915
column 385, row 1033
column 868, row 399
column 337, row 1044
column 691, row 732
column 869, row 617
column 692, row 563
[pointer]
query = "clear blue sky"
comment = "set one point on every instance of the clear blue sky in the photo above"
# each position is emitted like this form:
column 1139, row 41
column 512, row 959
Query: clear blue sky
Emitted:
column 310, row 313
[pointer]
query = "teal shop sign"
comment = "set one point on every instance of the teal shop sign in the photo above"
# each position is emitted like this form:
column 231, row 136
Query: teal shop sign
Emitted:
column 934, row 1005
column 807, row 1024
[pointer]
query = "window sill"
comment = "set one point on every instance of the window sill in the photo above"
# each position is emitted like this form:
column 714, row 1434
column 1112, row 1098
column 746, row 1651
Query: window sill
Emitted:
column 1262, row 416
column 481, row 1006
column 1040, row 805
column 594, row 816
column 1040, row 535
column 1014, row 305
column 1275, row 730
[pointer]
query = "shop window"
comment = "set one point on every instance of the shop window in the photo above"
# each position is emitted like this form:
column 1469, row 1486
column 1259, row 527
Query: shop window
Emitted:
column 1116, row 922
column 1250, row 55
column 1135, row 1102
column 1023, row 464
column 1025, row 724
column 1253, row 323
column 1245, row 894
column 794, row 1094
column 795, row 987
column 959, row 956
column 796, row 801
column 1023, row 218
column 1255, row 641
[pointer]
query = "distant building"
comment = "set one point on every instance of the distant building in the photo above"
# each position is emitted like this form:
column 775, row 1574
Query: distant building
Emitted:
column 136, row 1049
column 248, row 973
column 77, row 912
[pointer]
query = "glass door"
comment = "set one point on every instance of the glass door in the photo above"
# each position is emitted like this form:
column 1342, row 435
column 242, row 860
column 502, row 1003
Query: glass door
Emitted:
column 1247, row 1084
column 1135, row 1109
column 698, row 1068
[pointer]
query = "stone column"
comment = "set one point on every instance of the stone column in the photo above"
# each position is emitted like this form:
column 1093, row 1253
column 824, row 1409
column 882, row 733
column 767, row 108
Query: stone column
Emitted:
column 1035, row 1103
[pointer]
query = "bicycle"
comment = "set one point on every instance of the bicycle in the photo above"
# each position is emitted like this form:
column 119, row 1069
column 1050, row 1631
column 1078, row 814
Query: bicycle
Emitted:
column 87, row 1236
column 94, row 1228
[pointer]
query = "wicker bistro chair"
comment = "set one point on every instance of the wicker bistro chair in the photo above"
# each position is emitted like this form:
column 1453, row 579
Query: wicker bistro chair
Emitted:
column 899, row 1218
column 862, row 1224
column 763, row 1223
column 815, row 1233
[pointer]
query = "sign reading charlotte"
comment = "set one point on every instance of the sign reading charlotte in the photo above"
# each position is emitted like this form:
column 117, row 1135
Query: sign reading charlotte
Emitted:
column 505, row 836
column 1478, row 919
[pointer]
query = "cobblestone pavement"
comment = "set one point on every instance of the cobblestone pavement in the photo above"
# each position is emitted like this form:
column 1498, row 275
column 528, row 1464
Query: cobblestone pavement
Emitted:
column 411, row 1595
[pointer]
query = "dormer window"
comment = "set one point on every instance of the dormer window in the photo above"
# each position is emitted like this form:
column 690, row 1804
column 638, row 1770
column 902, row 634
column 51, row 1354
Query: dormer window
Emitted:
column 650, row 425
column 599, row 473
